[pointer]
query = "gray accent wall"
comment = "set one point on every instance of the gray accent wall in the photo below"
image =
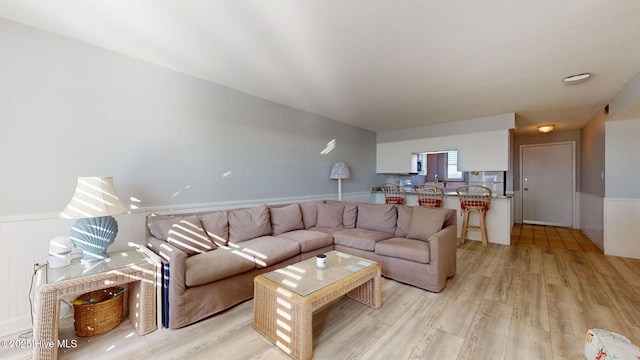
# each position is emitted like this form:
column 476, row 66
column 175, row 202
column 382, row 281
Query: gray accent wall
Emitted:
column 68, row 109
column 622, row 165
column 592, row 160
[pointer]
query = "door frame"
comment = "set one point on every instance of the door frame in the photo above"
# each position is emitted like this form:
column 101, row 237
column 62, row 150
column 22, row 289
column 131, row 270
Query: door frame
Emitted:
column 574, row 219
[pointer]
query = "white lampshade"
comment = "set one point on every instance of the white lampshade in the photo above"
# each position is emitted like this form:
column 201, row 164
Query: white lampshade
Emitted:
column 94, row 197
column 339, row 170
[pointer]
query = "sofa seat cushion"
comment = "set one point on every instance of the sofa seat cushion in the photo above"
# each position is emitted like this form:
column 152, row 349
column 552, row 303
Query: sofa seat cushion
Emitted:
column 216, row 265
column 408, row 249
column 326, row 230
column 309, row 240
column 269, row 250
column 362, row 239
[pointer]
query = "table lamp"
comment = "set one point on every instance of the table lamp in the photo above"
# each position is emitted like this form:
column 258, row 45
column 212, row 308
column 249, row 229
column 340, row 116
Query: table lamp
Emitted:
column 339, row 171
column 93, row 203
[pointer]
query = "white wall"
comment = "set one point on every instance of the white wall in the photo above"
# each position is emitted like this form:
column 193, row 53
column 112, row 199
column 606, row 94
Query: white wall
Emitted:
column 483, row 144
column 468, row 126
column 485, row 151
column 170, row 140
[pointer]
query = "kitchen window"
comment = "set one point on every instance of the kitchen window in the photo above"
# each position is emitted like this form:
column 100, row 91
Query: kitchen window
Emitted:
column 452, row 166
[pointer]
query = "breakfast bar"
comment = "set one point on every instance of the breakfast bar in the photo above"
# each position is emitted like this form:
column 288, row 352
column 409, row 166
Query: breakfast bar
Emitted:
column 500, row 218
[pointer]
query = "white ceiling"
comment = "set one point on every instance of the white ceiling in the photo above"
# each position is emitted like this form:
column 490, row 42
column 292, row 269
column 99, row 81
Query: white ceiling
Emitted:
column 379, row 65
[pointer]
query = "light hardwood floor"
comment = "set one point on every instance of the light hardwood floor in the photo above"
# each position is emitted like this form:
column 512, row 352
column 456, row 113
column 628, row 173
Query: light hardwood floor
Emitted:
column 506, row 302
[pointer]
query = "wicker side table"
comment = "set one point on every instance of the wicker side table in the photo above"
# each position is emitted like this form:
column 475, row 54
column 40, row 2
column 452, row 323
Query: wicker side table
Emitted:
column 123, row 267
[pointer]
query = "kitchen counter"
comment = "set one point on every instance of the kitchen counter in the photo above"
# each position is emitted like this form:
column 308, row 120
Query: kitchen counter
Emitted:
column 377, row 190
column 499, row 217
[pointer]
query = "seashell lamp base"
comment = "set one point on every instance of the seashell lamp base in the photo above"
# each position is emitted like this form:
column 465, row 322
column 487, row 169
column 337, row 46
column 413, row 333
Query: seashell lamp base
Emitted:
column 93, row 236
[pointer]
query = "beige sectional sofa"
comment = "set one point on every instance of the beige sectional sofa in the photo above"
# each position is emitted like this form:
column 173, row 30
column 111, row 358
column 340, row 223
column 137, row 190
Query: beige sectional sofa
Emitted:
column 214, row 256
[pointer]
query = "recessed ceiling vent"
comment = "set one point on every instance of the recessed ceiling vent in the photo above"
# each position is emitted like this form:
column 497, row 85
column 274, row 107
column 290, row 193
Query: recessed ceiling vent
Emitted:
column 578, row 78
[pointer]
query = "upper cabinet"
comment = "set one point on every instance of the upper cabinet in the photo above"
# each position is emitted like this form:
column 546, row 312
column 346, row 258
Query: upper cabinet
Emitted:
column 393, row 158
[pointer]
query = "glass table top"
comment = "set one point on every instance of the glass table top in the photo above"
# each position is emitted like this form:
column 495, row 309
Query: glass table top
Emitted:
column 116, row 260
column 305, row 277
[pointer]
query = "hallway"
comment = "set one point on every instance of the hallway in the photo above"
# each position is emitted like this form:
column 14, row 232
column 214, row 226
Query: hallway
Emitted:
column 552, row 236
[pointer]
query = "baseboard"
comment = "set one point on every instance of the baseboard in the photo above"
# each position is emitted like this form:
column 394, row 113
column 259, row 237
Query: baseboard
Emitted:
column 15, row 326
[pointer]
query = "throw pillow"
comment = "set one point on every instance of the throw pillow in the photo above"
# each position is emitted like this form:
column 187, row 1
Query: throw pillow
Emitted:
column 404, row 220
column 309, row 213
column 381, row 218
column 249, row 224
column 330, row 215
column 350, row 216
column 426, row 222
column 187, row 234
column 286, row 218
column 152, row 224
column 216, row 225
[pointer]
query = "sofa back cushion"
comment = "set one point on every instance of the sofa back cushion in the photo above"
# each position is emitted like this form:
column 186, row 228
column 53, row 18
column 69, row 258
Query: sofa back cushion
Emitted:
column 187, row 234
column 249, row 224
column 216, row 225
column 285, row 219
column 381, row 218
column 309, row 213
column 330, row 215
column 350, row 213
column 404, row 220
column 154, row 228
column 426, row 222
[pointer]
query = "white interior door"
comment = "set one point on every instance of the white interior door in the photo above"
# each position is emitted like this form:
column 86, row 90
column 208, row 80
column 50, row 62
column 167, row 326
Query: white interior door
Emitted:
column 548, row 173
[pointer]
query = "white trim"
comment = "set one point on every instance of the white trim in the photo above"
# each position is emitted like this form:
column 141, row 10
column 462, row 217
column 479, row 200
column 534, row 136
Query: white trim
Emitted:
column 574, row 215
column 197, row 206
column 15, row 326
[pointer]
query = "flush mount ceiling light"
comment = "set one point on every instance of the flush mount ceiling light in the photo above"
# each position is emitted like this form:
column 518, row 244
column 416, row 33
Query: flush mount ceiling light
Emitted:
column 545, row 128
column 576, row 78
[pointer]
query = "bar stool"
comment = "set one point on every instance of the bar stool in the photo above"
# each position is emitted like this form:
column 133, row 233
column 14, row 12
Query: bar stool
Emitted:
column 429, row 195
column 393, row 193
column 474, row 198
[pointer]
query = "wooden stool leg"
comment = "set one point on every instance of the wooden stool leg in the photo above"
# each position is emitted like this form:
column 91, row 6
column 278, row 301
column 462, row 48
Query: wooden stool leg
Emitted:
column 483, row 228
column 465, row 224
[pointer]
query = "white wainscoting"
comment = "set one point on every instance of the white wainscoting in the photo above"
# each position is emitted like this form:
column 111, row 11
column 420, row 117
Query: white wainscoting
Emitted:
column 621, row 227
column 25, row 241
column 590, row 207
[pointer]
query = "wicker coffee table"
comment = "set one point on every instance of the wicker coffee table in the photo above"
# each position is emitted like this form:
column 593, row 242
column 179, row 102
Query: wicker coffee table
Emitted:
column 285, row 299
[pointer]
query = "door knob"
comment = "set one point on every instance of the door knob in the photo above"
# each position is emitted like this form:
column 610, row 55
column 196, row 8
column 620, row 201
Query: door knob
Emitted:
column 526, row 189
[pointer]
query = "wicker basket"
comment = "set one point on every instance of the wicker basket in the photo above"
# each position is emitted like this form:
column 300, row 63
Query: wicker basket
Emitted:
column 97, row 312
